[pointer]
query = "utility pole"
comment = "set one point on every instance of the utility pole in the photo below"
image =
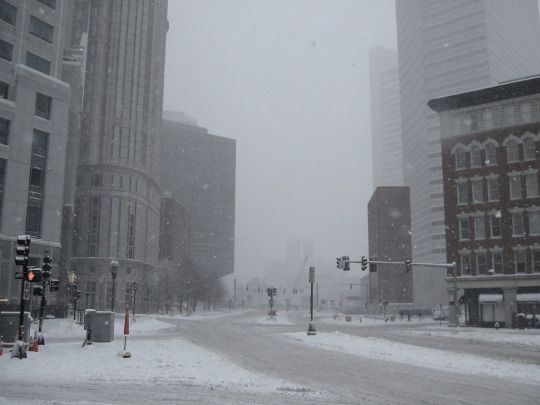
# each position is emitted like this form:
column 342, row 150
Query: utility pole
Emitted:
column 311, row 327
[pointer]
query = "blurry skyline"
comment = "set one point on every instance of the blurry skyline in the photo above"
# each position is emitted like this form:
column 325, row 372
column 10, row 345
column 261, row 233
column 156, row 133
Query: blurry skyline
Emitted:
column 289, row 80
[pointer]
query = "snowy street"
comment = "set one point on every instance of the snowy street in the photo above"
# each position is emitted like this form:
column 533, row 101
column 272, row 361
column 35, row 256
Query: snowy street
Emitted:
column 241, row 358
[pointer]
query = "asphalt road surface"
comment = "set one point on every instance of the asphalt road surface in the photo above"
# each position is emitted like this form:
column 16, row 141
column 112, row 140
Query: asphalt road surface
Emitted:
column 327, row 377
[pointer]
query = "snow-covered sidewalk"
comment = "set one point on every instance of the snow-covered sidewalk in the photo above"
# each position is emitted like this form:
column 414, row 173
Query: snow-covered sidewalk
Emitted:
column 382, row 349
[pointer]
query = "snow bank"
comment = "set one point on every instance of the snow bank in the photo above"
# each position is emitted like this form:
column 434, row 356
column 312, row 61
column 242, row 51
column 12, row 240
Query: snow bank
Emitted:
column 529, row 338
column 155, row 362
column 382, row 349
column 141, row 326
column 281, row 319
column 200, row 315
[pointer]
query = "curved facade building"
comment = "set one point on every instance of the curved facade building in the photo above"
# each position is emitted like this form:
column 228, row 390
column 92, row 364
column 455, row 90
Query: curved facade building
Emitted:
column 117, row 199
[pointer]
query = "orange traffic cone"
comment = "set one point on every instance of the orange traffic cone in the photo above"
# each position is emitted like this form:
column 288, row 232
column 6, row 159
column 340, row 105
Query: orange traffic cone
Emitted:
column 36, row 346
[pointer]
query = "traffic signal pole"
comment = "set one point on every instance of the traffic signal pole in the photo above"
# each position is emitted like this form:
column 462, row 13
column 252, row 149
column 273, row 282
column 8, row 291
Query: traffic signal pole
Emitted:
column 21, row 312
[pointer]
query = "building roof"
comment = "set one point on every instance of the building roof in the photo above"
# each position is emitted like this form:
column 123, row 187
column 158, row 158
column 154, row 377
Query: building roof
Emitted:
column 504, row 91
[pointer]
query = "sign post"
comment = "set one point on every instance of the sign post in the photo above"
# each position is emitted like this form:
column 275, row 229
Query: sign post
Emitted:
column 311, row 327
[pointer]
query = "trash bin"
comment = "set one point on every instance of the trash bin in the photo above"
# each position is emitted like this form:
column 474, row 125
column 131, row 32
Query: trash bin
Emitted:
column 521, row 321
column 9, row 326
column 102, row 325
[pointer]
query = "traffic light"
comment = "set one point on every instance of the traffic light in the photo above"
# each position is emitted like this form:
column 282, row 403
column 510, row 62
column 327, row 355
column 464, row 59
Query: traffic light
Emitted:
column 22, row 250
column 339, row 263
column 346, row 264
column 373, row 266
column 33, row 275
column 408, row 265
column 37, row 290
column 46, row 267
column 274, row 290
column 364, row 263
column 54, row 285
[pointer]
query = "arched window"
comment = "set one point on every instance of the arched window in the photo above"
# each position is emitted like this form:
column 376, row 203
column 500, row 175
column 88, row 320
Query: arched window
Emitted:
column 461, row 158
column 529, row 149
column 491, row 154
column 512, row 151
column 476, row 156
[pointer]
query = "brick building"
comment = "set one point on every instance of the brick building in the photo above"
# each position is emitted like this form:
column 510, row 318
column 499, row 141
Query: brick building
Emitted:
column 490, row 141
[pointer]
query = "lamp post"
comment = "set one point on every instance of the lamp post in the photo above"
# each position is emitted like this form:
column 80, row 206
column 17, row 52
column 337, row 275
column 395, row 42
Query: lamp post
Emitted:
column 114, row 273
column 134, row 297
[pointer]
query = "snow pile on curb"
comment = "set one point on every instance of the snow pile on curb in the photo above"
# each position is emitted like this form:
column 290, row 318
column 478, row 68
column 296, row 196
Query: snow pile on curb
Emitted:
column 142, row 326
column 159, row 362
column 529, row 338
column 281, row 319
column 382, row 349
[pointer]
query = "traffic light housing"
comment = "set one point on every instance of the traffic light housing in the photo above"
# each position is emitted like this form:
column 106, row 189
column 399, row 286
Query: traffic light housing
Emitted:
column 364, row 263
column 22, row 250
column 408, row 265
column 46, row 267
column 373, row 266
column 339, row 263
column 54, row 285
column 38, row 290
column 346, row 264
column 33, row 275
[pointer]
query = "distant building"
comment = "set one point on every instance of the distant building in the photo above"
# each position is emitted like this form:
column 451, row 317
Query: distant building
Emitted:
column 490, row 142
column 385, row 118
column 448, row 47
column 173, row 232
column 389, row 225
column 198, row 170
column 34, row 115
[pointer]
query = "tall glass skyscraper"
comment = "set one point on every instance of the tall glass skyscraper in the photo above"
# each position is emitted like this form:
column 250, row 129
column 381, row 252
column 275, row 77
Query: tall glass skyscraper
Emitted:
column 447, row 47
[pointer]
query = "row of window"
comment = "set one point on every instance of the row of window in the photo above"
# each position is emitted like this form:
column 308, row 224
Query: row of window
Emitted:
column 116, row 181
column 495, row 117
column 479, row 263
column 475, row 226
column 32, row 60
column 42, row 109
column 520, row 185
column 38, row 28
column 476, row 155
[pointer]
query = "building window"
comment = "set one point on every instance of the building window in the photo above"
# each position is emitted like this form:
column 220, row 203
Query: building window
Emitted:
column 488, row 119
column 476, row 156
column 43, row 106
column 526, row 115
column 519, row 261
column 464, row 232
column 491, row 154
column 4, row 90
column 4, row 131
column 495, row 226
column 517, row 224
column 497, row 261
column 41, row 29
column 465, row 264
column 536, row 260
column 3, row 164
column 531, row 185
column 479, row 228
column 462, row 193
column 481, row 263
column 36, row 189
column 8, row 12
column 93, row 228
column 6, row 50
column 509, row 118
column 130, row 248
column 96, row 180
column 515, row 187
column 461, row 159
column 49, row 3
column 529, row 149
column 38, row 63
column 477, row 191
column 493, row 188
column 534, row 222
column 512, row 151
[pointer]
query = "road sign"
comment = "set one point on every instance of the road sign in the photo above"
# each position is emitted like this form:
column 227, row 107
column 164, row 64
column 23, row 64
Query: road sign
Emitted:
column 26, row 294
column 311, row 274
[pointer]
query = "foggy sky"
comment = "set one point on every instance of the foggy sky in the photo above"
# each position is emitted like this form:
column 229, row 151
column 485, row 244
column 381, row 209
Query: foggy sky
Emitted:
column 288, row 80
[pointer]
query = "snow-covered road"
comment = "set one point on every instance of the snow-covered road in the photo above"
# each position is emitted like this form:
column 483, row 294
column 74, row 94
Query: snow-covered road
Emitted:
column 242, row 358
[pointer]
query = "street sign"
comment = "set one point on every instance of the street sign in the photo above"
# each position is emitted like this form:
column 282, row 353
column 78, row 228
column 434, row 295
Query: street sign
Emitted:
column 311, row 274
column 26, row 294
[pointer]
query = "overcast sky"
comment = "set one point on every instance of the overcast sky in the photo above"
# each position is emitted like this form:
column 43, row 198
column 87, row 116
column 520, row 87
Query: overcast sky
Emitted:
column 289, row 80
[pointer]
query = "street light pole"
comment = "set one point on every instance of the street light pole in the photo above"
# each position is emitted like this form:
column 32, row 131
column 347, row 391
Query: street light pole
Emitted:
column 114, row 273
column 134, row 297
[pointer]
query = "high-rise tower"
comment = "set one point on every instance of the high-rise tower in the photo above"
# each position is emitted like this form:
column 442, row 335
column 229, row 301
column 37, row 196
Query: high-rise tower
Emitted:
column 447, row 47
column 117, row 199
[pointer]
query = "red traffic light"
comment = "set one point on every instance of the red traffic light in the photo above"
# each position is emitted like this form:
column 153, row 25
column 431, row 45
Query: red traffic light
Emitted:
column 31, row 275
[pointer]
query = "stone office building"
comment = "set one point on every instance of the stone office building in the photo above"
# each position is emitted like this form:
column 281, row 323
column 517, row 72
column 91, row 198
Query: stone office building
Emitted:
column 34, row 111
column 490, row 142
